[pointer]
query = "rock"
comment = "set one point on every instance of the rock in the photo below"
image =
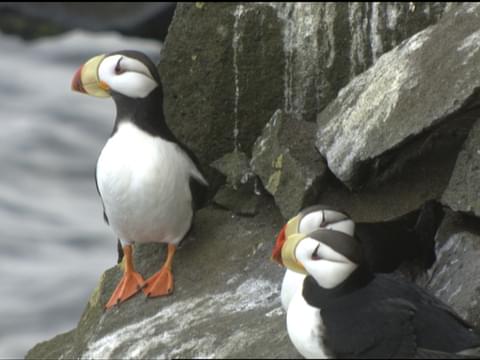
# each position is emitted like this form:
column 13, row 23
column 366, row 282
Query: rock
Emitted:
column 240, row 202
column 227, row 67
column 421, row 83
column 464, row 186
column 285, row 159
column 454, row 276
column 240, row 194
column 226, row 301
column 236, row 168
column 327, row 44
column 427, row 167
column 32, row 20
column 220, row 92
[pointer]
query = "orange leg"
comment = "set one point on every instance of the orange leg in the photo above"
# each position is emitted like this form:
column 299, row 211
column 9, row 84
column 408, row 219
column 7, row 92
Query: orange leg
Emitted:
column 161, row 283
column 131, row 282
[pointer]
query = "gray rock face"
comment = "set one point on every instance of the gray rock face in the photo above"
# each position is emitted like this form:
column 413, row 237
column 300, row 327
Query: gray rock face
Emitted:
column 236, row 168
column 240, row 193
column 285, row 159
column 462, row 193
column 221, row 68
column 327, row 44
column 226, row 301
column 454, row 276
column 227, row 67
column 417, row 85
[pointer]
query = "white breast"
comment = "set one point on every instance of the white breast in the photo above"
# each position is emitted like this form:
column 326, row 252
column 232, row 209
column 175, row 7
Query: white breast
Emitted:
column 292, row 282
column 144, row 184
column 305, row 328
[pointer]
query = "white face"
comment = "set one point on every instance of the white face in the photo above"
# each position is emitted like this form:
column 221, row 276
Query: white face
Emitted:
column 126, row 76
column 328, row 267
column 326, row 219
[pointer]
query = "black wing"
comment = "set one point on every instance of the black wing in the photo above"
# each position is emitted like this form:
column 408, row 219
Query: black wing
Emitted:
column 199, row 193
column 438, row 326
column 391, row 317
column 382, row 329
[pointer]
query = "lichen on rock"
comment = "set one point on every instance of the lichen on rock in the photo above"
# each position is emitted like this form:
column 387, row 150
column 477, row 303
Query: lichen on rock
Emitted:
column 285, row 159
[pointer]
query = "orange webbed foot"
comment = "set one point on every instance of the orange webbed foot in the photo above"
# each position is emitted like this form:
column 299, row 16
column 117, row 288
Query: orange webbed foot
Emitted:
column 159, row 284
column 130, row 284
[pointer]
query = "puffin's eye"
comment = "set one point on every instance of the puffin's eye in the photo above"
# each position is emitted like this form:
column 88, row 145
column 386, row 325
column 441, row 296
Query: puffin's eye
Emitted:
column 118, row 69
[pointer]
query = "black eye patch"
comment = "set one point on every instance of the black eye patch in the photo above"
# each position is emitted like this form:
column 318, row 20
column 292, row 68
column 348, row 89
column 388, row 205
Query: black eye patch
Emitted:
column 118, row 68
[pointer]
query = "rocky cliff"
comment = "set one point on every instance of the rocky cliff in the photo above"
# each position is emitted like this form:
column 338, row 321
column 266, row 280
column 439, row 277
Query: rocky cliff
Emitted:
column 370, row 107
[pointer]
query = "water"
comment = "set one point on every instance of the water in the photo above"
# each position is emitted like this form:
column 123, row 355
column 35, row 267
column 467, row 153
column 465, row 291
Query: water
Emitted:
column 54, row 244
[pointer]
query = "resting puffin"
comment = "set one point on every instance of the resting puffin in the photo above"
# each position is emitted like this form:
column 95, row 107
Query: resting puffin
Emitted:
column 149, row 182
column 343, row 310
column 386, row 245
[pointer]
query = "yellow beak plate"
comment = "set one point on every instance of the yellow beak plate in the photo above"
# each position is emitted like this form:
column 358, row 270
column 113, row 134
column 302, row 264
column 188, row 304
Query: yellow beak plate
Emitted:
column 90, row 80
column 288, row 253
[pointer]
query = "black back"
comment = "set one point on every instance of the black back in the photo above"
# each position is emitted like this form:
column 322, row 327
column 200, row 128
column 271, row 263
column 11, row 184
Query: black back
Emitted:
column 383, row 316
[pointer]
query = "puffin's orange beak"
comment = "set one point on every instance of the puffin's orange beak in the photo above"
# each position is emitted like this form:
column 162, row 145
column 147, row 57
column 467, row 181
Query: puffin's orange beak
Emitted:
column 77, row 81
column 277, row 249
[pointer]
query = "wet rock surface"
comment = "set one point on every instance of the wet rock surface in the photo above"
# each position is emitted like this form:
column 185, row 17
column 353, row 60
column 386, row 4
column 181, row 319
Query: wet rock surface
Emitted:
column 337, row 41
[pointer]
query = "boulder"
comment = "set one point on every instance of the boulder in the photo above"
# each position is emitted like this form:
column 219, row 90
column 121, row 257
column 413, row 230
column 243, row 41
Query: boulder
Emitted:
column 241, row 201
column 226, row 301
column 285, row 159
column 462, row 193
column 454, row 276
column 240, row 194
column 236, row 168
column 420, row 84
column 221, row 69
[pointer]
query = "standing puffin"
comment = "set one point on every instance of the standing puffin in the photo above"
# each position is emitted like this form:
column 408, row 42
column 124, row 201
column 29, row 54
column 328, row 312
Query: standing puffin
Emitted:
column 386, row 245
column 343, row 310
column 149, row 182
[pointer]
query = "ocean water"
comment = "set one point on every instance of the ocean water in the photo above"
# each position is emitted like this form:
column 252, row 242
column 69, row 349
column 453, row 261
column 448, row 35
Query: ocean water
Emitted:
column 54, row 244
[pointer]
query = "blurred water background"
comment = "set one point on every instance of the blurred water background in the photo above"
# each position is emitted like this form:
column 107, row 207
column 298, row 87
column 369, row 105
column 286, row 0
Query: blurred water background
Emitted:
column 54, row 244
